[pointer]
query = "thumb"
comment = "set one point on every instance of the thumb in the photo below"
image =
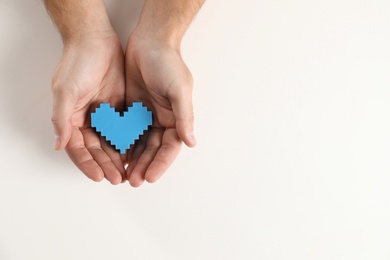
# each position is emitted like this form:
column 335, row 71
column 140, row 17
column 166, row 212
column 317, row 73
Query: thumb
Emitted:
column 64, row 102
column 184, row 116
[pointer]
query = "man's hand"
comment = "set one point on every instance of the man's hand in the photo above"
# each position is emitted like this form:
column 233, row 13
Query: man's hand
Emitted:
column 157, row 75
column 91, row 71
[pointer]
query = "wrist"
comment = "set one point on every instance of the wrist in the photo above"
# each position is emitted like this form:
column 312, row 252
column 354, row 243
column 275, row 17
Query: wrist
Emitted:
column 95, row 44
column 77, row 19
column 166, row 21
column 89, row 27
column 145, row 36
column 90, row 35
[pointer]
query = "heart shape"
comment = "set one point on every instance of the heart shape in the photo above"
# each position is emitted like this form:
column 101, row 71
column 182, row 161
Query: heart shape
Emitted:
column 121, row 131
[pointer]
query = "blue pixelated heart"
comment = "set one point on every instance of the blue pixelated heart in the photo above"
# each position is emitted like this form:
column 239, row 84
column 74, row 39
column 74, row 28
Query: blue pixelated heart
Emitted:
column 121, row 131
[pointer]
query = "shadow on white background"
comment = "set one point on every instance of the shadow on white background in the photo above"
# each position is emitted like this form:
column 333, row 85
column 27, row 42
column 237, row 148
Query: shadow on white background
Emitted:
column 292, row 123
column 27, row 63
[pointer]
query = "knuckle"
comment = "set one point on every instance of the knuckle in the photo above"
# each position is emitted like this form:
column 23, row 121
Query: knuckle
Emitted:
column 54, row 79
column 153, row 143
column 191, row 80
column 54, row 119
column 57, row 87
column 191, row 118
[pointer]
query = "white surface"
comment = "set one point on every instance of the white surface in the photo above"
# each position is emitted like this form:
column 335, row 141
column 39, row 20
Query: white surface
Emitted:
column 292, row 118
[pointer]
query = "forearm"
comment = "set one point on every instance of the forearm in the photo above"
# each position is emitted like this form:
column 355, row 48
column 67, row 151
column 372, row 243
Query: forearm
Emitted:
column 76, row 19
column 167, row 20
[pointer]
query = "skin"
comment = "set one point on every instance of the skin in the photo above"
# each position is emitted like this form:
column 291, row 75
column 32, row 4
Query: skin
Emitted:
column 94, row 69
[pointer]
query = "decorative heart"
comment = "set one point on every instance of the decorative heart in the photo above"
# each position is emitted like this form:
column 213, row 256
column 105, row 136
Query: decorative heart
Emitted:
column 121, row 131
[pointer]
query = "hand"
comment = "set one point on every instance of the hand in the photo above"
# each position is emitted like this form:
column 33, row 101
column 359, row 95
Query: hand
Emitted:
column 91, row 71
column 157, row 75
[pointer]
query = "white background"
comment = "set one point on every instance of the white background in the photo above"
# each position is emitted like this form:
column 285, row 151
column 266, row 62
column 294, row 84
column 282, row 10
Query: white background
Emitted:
column 292, row 119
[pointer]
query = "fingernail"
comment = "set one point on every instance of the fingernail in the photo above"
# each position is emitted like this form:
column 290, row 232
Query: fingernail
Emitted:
column 57, row 142
column 192, row 138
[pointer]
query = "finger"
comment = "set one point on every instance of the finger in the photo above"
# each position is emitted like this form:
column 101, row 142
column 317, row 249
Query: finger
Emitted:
column 64, row 102
column 137, row 176
column 81, row 157
column 170, row 148
column 128, row 155
column 115, row 157
column 184, row 116
column 136, row 153
column 92, row 143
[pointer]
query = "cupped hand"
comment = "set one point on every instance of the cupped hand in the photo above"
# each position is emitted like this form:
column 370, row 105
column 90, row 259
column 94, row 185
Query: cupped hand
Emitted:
column 91, row 71
column 157, row 75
